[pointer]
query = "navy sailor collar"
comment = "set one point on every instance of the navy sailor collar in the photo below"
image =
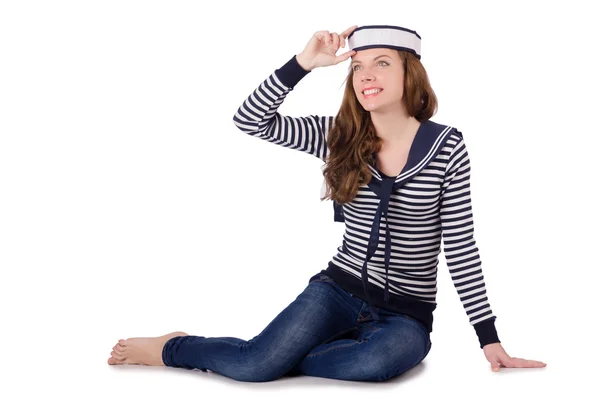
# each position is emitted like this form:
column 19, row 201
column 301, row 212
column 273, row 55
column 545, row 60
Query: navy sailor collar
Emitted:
column 427, row 143
column 424, row 148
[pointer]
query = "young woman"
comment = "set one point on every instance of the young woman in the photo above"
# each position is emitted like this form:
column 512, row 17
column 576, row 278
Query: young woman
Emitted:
column 400, row 182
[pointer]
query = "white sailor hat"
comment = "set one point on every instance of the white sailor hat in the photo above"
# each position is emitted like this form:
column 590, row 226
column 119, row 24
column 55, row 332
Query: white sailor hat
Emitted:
column 387, row 36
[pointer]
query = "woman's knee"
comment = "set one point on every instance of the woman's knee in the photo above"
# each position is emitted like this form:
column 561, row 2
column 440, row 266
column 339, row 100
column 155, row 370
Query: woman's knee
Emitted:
column 391, row 362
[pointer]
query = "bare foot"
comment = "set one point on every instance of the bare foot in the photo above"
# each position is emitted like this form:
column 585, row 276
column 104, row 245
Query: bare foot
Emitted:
column 143, row 351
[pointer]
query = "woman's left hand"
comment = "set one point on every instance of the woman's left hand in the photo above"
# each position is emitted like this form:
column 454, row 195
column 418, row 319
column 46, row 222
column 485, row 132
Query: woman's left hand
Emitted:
column 495, row 354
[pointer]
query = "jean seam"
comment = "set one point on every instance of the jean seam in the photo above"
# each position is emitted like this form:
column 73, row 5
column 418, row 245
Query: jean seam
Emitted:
column 373, row 329
column 332, row 348
column 334, row 337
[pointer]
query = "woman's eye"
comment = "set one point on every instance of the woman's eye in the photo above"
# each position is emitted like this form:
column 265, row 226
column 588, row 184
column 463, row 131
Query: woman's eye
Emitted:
column 355, row 66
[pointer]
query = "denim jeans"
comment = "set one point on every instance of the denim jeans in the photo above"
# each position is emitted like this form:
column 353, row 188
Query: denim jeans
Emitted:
column 325, row 332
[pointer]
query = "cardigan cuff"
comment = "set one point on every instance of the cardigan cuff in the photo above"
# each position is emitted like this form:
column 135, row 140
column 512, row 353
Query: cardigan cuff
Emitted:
column 291, row 73
column 486, row 332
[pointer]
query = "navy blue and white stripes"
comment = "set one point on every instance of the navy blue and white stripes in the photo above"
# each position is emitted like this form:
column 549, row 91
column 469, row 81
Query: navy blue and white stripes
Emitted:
column 258, row 116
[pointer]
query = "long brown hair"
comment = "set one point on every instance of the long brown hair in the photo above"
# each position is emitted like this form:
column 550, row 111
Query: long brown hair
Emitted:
column 352, row 140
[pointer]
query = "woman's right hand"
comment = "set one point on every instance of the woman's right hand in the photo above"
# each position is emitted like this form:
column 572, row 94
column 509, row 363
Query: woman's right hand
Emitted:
column 320, row 50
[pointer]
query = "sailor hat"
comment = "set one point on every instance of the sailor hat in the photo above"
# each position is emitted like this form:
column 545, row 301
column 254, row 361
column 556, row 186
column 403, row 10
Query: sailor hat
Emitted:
column 386, row 36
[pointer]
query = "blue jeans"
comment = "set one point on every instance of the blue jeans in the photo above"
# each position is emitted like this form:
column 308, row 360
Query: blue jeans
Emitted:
column 325, row 332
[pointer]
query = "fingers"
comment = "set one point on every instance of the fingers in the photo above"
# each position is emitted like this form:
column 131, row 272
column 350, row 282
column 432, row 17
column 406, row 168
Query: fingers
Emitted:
column 347, row 32
column 522, row 363
column 344, row 56
column 516, row 362
column 498, row 358
column 336, row 41
column 330, row 39
column 325, row 37
column 322, row 36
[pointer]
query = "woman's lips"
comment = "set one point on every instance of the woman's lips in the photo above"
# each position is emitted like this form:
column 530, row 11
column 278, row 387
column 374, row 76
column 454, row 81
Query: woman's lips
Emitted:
column 373, row 95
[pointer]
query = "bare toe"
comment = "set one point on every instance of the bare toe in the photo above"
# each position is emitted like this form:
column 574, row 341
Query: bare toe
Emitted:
column 114, row 361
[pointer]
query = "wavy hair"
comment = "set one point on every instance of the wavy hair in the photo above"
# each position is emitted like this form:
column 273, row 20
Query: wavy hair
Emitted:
column 352, row 141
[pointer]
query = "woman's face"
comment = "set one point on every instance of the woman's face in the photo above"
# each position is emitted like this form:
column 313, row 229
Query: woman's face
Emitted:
column 379, row 68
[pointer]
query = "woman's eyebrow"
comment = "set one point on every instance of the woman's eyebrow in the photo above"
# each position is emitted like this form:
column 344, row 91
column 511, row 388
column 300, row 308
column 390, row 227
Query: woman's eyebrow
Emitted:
column 377, row 57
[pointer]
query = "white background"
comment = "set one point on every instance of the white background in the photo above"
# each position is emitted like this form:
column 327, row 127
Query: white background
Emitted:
column 130, row 204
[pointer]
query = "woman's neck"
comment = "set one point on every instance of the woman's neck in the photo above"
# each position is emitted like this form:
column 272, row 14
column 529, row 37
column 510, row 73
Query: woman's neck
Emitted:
column 394, row 127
